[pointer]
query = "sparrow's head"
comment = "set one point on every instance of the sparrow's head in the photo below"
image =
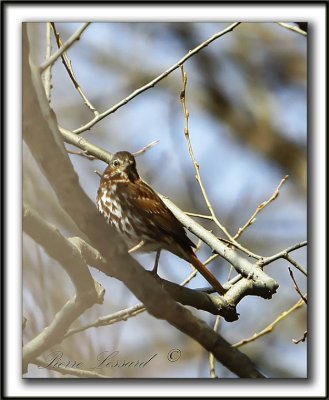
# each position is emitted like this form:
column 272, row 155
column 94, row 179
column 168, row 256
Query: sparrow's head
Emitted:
column 122, row 167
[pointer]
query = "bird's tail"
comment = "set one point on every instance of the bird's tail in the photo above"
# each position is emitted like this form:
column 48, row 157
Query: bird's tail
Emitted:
column 206, row 274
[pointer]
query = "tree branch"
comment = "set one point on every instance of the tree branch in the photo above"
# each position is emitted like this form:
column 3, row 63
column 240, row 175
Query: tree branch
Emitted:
column 269, row 328
column 196, row 298
column 88, row 291
column 59, row 248
column 121, row 315
column 156, row 80
column 76, row 36
column 68, row 66
column 292, row 28
column 284, row 254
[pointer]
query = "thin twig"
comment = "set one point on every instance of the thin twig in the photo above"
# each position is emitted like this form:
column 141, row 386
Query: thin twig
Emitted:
column 66, row 45
column 83, row 153
column 261, row 207
column 295, row 264
column 145, row 148
column 107, row 320
column 68, row 66
column 211, row 356
column 156, row 80
column 47, row 74
column 190, row 277
column 296, row 285
column 302, row 339
column 292, row 28
column 199, row 215
column 272, row 325
column 230, row 273
column 284, row 254
column 197, row 167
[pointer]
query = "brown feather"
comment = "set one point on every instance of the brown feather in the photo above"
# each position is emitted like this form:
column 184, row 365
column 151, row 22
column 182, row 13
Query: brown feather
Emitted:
column 150, row 204
column 206, row 273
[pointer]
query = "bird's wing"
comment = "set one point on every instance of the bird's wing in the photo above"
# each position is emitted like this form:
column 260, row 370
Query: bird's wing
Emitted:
column 144, row 198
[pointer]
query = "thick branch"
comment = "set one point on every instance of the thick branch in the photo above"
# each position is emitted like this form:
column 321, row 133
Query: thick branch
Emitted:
column 265, row 285
column 88, row 291
column 212, row 303
column 55, row 332
column 59, row 248
column 85, row 145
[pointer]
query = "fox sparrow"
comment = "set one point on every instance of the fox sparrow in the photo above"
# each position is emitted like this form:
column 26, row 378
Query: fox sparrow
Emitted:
column 141, row 217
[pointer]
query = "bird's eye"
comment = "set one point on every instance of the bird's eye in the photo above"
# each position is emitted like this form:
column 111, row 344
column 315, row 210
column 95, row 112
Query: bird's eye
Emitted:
column 116, row 163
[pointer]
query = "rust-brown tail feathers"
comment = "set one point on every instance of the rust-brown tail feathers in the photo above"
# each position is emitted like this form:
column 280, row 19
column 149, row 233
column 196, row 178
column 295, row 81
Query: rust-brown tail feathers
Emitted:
column 210, row 278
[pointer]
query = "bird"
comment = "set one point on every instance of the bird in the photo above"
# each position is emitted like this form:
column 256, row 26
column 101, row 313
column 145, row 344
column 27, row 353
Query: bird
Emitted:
column 141, row 217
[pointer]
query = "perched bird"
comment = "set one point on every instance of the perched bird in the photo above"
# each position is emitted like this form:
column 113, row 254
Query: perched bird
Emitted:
column 141, row 217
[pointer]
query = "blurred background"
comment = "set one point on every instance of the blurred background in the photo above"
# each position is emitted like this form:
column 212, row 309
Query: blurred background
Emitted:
column 247, row 101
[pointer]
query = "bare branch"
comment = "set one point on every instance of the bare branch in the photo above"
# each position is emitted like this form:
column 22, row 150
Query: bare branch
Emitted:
column 295, row 264
column 90, row 255
column 199, row 215
column 85, row 145
column 147, row 147
column 261, row 207
column 197, row 167
column 302, row 339
column 66, row 46
column 122, row 315
column 265, row 285
column 68, row 66
column 296, row 286
column 190, row 149
column 83, row 153
column 156, row 80
column 47, row 74
column 271, row 326
column 98, row 173
column 284, row 254
column 88, row 291
column 211, row 356
column 59, row 248
column 196, row 298
column 55, row 331
column 292, row 28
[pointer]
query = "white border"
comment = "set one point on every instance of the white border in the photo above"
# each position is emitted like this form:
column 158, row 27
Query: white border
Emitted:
column 15, row 14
